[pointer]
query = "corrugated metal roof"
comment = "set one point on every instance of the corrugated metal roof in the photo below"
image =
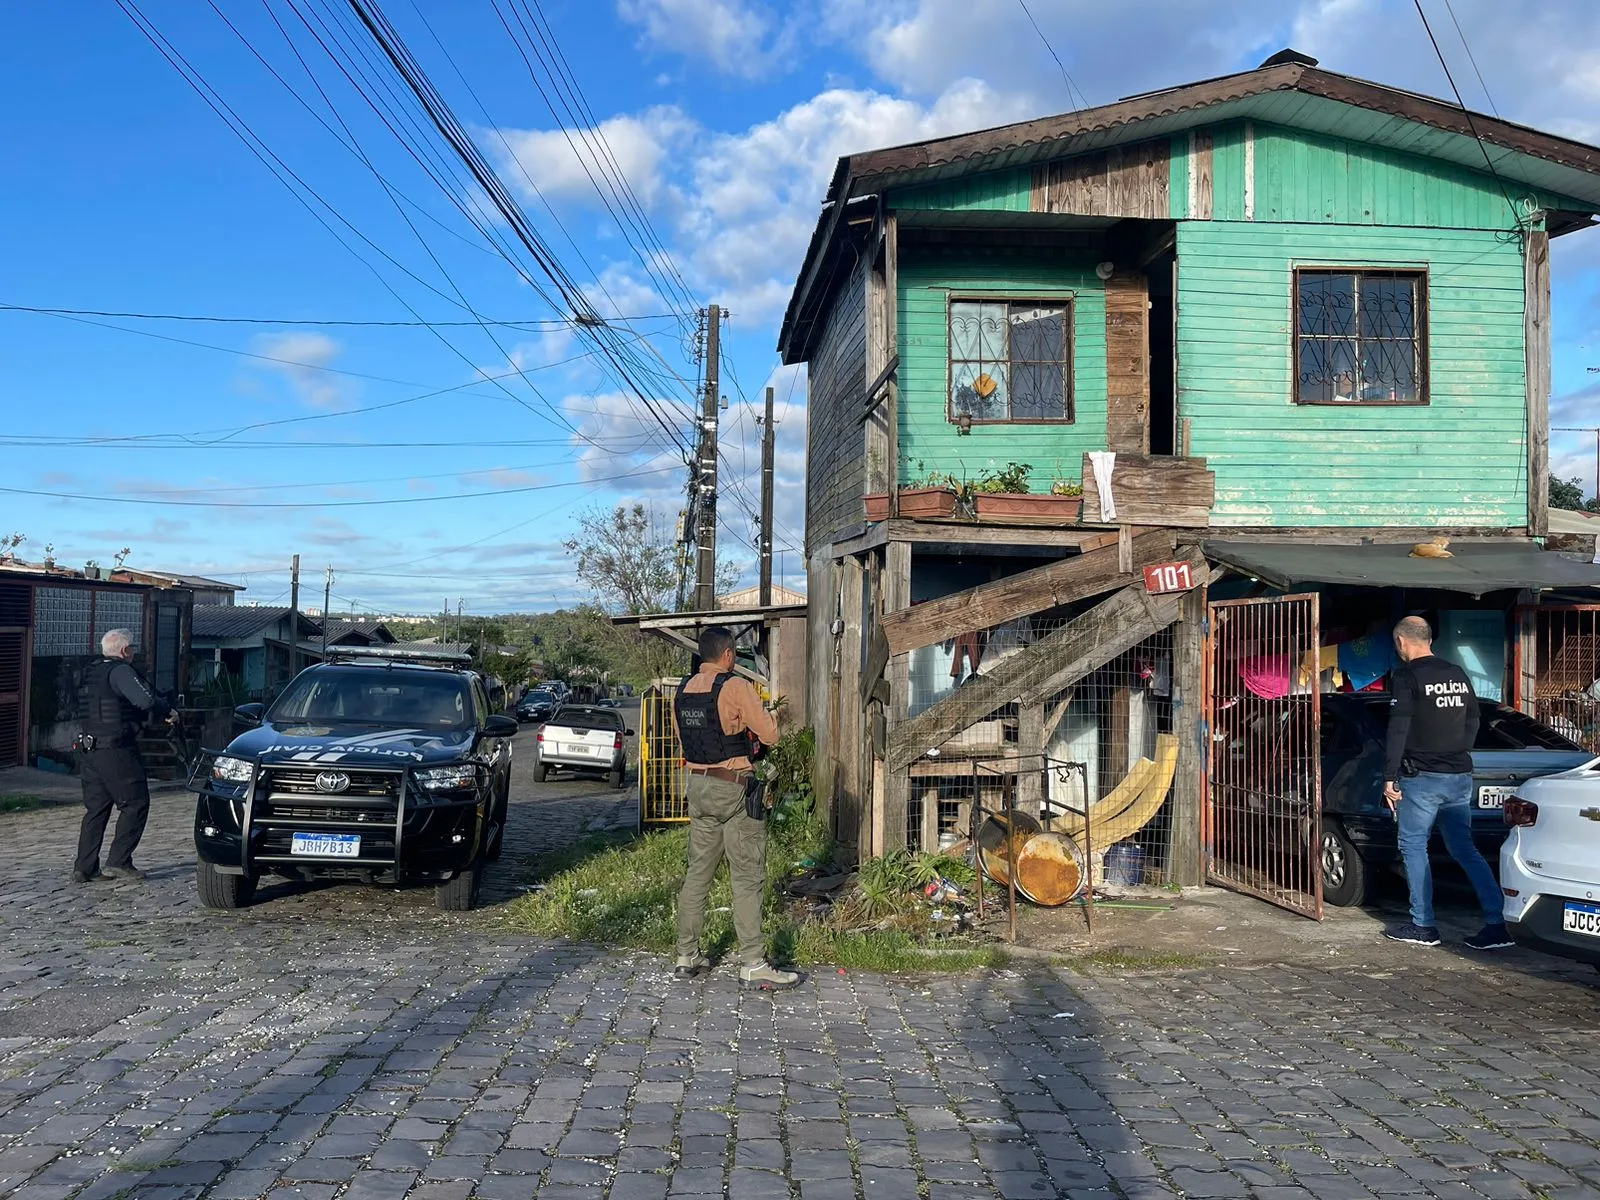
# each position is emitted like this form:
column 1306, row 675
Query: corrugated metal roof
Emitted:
column 224, row 621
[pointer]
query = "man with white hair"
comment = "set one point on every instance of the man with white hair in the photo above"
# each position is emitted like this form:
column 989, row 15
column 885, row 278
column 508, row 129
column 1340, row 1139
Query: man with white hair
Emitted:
column 114, row 700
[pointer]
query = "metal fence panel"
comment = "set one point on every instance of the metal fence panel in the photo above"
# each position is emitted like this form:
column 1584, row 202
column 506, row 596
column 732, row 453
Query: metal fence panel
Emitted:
column 1264, row 766
column 662, row 799
column 1558, row 672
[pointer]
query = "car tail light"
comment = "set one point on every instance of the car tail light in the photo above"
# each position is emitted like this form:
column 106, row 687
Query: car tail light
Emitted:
column 1520, row 812
column 1512, row 892
column 617, row 742
column 541, row 735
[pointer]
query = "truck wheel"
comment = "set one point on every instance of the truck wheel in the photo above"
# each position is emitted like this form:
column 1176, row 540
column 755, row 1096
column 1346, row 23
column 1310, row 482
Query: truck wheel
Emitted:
column 617, row 777
column 223, row 891
column 1344, row 871
column 540, row 771
column 461, row 893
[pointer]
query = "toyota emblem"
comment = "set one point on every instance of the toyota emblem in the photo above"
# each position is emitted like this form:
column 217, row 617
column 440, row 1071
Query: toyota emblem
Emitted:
column 333, row 781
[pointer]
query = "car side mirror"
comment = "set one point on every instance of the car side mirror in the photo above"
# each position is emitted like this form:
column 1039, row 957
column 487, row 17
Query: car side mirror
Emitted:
column 249, row 714
column 630, row 732
column 500, row 725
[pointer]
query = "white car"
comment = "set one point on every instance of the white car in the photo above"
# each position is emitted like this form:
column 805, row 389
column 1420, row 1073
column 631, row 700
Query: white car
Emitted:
column 1550, row 864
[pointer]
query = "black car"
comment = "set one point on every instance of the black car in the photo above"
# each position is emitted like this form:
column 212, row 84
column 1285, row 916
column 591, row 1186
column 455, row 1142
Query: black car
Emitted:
column 1359, row 832
column 382, row 770
column 536, row 706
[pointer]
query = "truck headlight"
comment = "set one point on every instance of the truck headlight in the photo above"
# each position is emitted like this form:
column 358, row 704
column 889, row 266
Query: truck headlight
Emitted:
column 231, row 770
column 446, row 779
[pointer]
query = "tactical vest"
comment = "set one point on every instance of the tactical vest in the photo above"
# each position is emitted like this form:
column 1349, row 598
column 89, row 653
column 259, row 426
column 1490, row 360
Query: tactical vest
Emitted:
column 700, row 726
column 106, row 714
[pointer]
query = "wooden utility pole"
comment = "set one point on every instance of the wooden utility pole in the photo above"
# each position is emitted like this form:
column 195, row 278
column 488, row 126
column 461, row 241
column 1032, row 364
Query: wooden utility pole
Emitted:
column 766, row 502
column 327, row 599
column 705, row 591
column 294, row 584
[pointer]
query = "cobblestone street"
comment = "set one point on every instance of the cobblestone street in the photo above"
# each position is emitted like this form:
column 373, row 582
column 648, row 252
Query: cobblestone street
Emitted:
column 355, row 1043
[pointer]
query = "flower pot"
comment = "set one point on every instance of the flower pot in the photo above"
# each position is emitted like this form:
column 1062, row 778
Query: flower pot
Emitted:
column 914, row 502
column 1037, row 507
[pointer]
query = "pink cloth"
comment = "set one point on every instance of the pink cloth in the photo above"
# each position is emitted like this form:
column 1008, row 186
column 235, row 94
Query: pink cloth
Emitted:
column 1267, row 676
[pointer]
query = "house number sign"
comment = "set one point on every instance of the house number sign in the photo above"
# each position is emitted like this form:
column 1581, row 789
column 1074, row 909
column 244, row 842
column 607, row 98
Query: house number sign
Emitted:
column 1168, row 577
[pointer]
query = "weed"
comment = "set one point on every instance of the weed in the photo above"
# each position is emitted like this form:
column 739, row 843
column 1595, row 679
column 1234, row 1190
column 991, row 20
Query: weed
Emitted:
column 144, row 1164
column 1119, row 958
column 16, row 802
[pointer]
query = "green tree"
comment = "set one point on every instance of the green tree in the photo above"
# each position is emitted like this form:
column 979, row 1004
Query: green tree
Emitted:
column 1568, row 494
column 627, row 557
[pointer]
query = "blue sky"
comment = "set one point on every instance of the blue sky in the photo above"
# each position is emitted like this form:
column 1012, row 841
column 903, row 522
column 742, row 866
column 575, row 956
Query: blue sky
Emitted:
column 124, row 192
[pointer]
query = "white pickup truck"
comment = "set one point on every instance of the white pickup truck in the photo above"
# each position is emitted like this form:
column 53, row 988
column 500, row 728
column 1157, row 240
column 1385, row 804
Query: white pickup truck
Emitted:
column 584, row 737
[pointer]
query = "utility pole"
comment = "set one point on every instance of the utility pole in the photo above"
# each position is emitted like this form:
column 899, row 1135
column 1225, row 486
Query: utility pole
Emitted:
column 767, row 437
column 705, row 591
column 294, row 584
column 327, row 599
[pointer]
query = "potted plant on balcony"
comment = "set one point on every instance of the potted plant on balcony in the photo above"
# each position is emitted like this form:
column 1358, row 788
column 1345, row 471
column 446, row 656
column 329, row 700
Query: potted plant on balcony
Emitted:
column 1004, row 493
column 932, row 494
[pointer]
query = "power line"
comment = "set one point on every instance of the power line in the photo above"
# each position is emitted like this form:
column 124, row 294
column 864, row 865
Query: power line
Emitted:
column 1467, row 113
column 1082, row 101
column 539, row 487
column 523, row 326
column 1471, row 58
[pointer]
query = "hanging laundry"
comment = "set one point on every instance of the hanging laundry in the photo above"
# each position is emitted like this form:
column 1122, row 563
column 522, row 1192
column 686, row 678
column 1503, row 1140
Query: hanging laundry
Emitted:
column 1366, row 660
column 1267, row 675
column 1316, row 662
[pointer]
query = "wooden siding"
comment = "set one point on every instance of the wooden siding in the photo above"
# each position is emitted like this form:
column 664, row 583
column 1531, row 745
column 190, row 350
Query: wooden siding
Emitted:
column 835, row 439
column 1124, row 181
column 928, row 441
column 1128, row 364
column 992, row 191
column 1458, row 461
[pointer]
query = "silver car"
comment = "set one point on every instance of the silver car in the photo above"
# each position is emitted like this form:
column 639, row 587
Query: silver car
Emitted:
column 584, row 737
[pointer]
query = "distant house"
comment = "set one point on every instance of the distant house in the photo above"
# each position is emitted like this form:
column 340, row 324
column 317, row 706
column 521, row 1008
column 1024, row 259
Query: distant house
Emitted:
column 751, row 597
column 254, row 651
column 205, row 591
column 51, row 622
column 358, row 633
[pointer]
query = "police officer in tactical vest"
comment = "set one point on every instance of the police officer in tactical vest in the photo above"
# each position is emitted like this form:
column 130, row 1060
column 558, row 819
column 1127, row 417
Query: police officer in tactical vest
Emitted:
column 114, row 700
column 722, row 726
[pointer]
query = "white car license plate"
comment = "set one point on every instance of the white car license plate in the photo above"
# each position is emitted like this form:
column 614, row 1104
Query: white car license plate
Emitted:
column 326, row 845
column 1495, row 797
column 1581, row 918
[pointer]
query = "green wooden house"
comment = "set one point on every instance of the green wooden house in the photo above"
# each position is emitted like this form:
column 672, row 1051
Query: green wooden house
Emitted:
column 1291, row 303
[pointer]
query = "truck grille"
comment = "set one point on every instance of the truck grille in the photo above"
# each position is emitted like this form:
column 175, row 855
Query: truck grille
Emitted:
column 302, row 781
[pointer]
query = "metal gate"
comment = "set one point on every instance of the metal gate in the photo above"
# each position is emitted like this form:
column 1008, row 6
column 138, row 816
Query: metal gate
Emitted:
column 1558, row 669
column 662, row 799
column 1264, row 766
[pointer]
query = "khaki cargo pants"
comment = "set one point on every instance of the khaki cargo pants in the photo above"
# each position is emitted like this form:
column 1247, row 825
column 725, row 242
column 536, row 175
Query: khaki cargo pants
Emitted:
column 718, row 827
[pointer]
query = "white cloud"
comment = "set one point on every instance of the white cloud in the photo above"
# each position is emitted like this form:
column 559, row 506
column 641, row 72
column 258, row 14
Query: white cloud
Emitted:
column 299, row 357
column 738, row 37
column 559, row 163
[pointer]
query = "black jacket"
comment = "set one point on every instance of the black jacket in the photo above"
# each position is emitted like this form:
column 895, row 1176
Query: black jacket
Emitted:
column 1435, row 719
column 115, row 699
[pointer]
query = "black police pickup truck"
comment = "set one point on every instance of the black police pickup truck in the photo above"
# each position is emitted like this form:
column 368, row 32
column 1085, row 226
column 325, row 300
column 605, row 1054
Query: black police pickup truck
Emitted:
column 368, row 767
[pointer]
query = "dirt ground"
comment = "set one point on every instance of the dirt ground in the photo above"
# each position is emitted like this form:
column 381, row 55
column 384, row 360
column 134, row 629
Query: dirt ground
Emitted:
column 1211, row 927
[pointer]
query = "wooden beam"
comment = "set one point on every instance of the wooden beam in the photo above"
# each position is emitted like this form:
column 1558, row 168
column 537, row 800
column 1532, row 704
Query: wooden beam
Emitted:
column 897, row 598
column 875, row 390
column 1053, row 721
column 1174, row 492
column 1054, row 663
column 1127, row 298
column 991, row 604
column 1188, row 723
column 851, row 784
column 1536, row 333
column 891, row 341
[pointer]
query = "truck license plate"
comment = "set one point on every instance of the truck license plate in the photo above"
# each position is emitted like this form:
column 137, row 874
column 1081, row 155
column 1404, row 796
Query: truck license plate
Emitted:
column 1495, row 797
column 326, row 845
column 1581, row 918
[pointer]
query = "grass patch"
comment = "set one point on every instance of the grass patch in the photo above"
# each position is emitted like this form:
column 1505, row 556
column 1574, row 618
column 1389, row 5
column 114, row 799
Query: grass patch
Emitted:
column 16, row 802
column 622, row 891
column 1120, row 958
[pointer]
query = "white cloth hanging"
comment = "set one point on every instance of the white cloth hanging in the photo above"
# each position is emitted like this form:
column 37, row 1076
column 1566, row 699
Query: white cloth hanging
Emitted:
column 1103, row 463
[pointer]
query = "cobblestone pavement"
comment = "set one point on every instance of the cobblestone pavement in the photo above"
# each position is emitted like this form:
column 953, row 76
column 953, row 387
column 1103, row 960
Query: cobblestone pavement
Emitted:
column 353, row 1043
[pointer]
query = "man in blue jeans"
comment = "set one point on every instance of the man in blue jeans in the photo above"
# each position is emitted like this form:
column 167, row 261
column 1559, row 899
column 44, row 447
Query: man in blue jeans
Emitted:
column 1428, row 782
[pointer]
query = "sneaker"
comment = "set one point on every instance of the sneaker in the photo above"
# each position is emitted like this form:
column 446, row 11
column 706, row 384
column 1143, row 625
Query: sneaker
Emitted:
column 129, row 872
column 691, row 965
column 1412, row 935
column 768, row 978
column 86, row 876
column 1490, row 937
